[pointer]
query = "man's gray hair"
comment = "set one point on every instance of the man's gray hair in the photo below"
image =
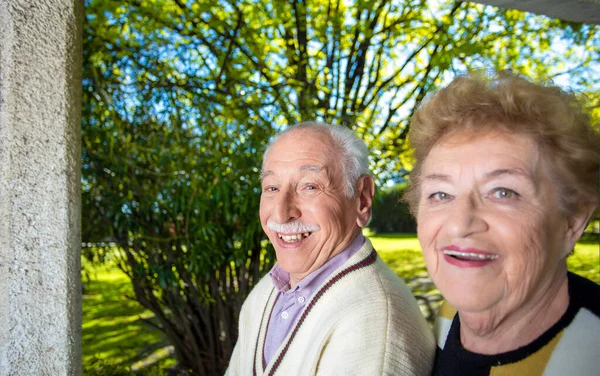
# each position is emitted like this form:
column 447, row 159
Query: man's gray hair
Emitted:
column 355, row 154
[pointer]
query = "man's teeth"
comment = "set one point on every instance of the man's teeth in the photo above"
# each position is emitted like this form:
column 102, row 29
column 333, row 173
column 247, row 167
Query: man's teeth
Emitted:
column 470, row 255
column 294, row 237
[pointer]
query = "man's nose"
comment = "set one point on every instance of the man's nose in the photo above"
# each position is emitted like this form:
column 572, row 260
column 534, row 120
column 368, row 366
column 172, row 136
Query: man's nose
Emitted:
column 286, row 208
column 466, row 219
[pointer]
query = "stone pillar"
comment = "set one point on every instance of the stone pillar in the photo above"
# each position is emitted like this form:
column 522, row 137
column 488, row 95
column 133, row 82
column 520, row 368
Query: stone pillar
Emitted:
column 40, row 116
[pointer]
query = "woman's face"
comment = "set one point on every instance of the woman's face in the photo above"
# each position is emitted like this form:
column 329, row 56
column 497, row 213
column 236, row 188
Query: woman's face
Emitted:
column 489, row 224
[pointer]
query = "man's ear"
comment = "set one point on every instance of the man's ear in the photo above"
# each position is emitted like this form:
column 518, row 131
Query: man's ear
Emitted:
column 366, row 191
column 576, row 225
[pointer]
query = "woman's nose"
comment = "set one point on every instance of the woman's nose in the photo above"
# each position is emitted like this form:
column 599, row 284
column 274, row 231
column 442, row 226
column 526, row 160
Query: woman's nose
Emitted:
column 465, row 218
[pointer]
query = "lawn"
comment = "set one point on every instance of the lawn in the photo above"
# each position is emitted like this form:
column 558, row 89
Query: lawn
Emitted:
column 117, row 331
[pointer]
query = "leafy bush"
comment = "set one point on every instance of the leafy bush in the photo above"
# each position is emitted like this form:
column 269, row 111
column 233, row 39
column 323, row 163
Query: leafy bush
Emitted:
column 390, row 214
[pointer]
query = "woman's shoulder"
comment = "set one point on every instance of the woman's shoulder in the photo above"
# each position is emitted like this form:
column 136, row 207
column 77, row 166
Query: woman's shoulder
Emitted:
column 446, row 311
column 443, row 323
column 584, row 293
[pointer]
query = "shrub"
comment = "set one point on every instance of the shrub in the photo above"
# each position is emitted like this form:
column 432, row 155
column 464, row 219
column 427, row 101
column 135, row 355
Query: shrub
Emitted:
column 390, row 214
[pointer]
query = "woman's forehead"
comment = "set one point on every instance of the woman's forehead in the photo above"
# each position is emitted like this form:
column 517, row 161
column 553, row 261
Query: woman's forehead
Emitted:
column 487, row 154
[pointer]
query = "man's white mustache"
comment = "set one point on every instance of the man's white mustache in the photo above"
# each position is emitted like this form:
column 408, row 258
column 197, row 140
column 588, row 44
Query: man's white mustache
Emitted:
column 293, row 227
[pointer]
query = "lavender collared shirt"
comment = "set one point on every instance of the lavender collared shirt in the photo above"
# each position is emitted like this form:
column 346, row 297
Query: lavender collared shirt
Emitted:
column 291, row 302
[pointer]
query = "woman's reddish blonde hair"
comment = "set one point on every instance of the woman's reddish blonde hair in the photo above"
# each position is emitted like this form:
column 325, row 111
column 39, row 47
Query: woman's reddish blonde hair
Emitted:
column 555, row 119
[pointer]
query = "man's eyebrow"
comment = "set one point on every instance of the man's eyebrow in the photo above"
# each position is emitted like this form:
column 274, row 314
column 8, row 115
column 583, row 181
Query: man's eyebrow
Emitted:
column 264, row 174
column 314, row 168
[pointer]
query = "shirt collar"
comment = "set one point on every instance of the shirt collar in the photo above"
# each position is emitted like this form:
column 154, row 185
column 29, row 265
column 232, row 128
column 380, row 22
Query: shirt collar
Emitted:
column 281, row 278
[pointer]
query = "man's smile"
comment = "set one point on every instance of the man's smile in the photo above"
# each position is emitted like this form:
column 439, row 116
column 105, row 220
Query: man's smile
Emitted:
column 293, row 238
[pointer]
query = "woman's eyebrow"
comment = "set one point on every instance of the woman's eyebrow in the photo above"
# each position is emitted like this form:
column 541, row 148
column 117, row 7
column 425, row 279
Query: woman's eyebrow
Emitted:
column 519, row 172
column 438, row 177
column 509, row 171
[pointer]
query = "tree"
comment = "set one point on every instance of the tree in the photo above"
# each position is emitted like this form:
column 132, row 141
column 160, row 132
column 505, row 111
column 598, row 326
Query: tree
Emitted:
column 181, row 96
column 169, row 172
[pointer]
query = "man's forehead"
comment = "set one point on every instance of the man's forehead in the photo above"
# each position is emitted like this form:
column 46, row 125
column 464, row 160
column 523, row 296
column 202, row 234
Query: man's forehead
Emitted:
column 300, row 151
column 297, row 140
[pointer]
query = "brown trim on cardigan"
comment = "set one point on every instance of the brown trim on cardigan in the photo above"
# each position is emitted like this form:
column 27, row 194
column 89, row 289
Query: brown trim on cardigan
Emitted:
column 361, row 264
column 261, row 322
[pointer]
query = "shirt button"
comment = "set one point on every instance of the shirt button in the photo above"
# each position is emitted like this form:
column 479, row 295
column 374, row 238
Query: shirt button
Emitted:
column 301, row 300
column 284, row 315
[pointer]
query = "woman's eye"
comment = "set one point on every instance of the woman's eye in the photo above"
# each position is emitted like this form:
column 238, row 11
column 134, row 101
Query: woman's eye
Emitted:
column 439, row 196
column 504, row 193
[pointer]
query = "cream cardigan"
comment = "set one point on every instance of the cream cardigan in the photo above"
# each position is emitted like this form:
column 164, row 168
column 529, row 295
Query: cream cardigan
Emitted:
column 363, row 320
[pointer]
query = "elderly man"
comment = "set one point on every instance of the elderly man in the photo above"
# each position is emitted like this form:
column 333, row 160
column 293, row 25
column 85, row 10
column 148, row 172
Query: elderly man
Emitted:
column 329, row 306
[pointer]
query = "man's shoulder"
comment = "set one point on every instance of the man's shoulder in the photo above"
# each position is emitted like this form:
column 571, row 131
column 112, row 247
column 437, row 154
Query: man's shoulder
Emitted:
column 382, row 280
column 373, row 285
column 264, row 286
column 372, row 268
column 260, row 292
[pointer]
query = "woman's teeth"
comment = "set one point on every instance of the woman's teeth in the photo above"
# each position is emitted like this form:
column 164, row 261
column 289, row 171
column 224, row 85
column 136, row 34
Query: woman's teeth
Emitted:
column 294, row 237
column 471, row 256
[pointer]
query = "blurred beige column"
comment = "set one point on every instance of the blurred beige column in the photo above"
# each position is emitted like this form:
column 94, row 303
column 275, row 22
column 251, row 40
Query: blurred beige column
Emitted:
column 40, row 115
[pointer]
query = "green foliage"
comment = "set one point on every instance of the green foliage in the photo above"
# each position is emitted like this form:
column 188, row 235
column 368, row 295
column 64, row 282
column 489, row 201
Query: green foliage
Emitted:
column 585, row 261
column 169, row 174
column 181, row 96
column 390, row 213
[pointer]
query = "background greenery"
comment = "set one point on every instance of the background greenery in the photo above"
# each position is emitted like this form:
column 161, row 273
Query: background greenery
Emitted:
column 181, row 97
column 390, row 214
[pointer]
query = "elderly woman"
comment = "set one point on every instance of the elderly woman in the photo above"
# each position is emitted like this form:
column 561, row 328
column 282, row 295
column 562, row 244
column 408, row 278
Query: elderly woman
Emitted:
column 505, row 181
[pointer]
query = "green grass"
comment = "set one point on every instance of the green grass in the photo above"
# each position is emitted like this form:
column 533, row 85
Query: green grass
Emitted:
column 116, row 331
column 116, row 328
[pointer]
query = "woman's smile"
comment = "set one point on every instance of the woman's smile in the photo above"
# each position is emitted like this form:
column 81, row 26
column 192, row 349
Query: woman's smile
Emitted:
column 468, row 257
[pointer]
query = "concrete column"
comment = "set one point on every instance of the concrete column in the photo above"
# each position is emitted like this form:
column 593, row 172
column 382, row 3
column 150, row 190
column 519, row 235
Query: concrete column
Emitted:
column 40, row 111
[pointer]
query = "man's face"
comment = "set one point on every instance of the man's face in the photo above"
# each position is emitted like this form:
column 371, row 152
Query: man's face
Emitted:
column 303, row 209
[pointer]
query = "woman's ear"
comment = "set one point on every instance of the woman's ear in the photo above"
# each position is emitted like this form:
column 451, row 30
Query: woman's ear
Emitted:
column 576, row 224
column 366, row 191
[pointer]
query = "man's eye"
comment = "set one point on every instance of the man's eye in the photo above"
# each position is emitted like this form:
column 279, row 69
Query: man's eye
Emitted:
column 439, row 196
column 270, row 189
column 504, row 193
column 311, row 187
